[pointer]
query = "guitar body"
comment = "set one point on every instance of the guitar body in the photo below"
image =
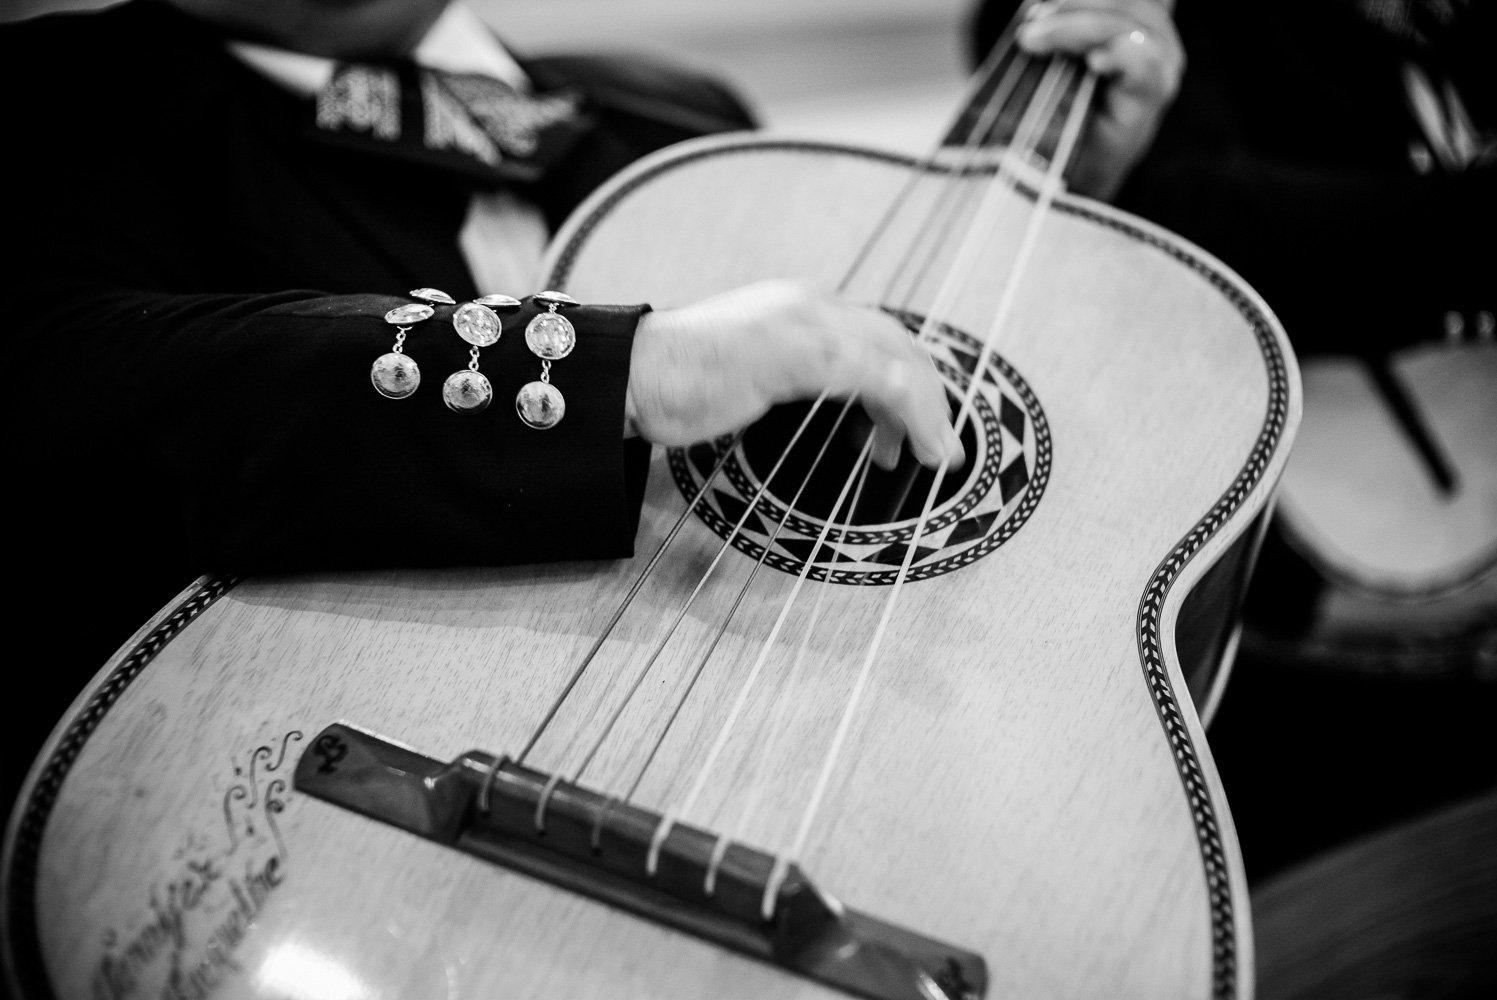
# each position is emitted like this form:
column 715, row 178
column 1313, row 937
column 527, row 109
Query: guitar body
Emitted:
column 1027, row 777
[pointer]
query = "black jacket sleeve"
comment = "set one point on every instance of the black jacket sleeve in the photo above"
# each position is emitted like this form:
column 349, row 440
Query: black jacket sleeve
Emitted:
column 175, row 409
column 249, row 423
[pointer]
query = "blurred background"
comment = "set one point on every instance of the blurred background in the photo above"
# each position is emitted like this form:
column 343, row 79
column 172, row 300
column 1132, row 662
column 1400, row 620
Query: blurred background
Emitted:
column 878, row 72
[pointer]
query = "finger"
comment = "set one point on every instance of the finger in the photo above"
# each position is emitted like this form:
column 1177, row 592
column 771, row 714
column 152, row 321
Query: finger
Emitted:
column 873, row 327
column 911, row 402
column 1135, row 65
column 1146, row 50
column 1151, row 15
column 888, row 446
column 1075, row 32
column 853, row 351
column 901, row 394
column 1135, row 62
column 924, row 417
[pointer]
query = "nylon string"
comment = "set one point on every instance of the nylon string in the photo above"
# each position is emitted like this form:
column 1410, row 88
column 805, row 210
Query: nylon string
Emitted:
column 1046, row 196
column 922, row 170
column 963, row 264
column 998, row 196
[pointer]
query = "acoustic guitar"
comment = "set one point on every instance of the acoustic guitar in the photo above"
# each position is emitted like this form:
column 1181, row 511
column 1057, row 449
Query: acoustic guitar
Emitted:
column 832, row 732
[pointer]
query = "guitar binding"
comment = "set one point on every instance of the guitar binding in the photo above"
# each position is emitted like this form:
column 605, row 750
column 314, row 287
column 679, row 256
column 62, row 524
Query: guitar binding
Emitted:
column 598, row 846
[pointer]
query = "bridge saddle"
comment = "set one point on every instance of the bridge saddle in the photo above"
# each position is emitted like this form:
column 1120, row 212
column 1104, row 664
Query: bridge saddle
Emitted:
column 598, row 846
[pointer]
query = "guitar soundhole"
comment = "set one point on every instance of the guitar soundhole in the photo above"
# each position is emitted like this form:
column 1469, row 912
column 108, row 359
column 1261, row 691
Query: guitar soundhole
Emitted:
column 886, row 497
column 977, row 508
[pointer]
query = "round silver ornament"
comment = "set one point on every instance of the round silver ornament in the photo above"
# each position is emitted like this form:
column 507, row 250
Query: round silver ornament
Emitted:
column 540, row 405
column 559, row 299
column 550, row 336
column 477, row 324
column 433, row 295
column 409, row 314
column 394, row 375
column 467, row 391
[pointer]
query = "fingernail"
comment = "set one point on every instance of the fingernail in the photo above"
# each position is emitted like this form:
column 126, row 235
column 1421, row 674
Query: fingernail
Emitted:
column 955, row 453
column 1027, row 34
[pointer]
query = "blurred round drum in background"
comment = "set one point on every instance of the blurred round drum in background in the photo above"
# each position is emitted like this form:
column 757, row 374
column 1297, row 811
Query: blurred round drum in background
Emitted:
column 1385, row 555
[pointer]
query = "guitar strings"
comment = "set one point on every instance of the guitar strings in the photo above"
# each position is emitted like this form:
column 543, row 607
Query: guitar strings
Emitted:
column 701, row 664
column 958, row 205
column 859, row 472
column 1000, row 194
column 1050, row 186
column 978, row 230
column 758, row 564
column 947, row 207
column 975, row 139
column 1000, row 51
column 634, row 589
column 981, row 130
column 701, row 584
column 973, row 145
column 774, row 719
column 924, row 170
column 686, row 805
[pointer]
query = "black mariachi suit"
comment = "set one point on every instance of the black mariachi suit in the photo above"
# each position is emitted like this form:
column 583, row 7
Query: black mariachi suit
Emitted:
column 182, row 405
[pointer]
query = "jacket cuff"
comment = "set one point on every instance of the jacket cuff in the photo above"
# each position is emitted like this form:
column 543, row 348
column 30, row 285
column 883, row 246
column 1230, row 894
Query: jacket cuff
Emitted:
column 337, row 476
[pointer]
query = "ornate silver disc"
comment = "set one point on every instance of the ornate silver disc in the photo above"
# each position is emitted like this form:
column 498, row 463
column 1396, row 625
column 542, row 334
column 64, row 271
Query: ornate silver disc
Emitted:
column 477, row 324
column 394, row 375
column 561, row 299
column 540, row 405
column 433, row 295
column 411, row 312
column 467, row 391
column 550, row 336
column 494, row 300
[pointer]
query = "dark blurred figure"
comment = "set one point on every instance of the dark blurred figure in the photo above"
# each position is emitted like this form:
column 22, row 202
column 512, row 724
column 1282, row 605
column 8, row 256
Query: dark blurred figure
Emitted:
column 1293, row 153
column 1342, row 156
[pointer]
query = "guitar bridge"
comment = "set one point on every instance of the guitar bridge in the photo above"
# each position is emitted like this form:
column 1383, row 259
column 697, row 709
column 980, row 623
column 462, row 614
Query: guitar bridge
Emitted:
column 600, row 847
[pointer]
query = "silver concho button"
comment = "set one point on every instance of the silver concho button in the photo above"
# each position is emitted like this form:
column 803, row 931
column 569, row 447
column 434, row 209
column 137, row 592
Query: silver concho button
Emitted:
column 560, row 299
column 411, row 312
column 478, row 325
column 433, row 295
column 550, row 336
column 394, row 375
column 496, row 301
column 540, row 405
column 467, row 392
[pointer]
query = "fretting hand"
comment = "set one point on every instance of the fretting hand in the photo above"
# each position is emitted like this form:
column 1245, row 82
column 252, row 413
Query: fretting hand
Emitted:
column 718, row 365
column 1134, row 47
